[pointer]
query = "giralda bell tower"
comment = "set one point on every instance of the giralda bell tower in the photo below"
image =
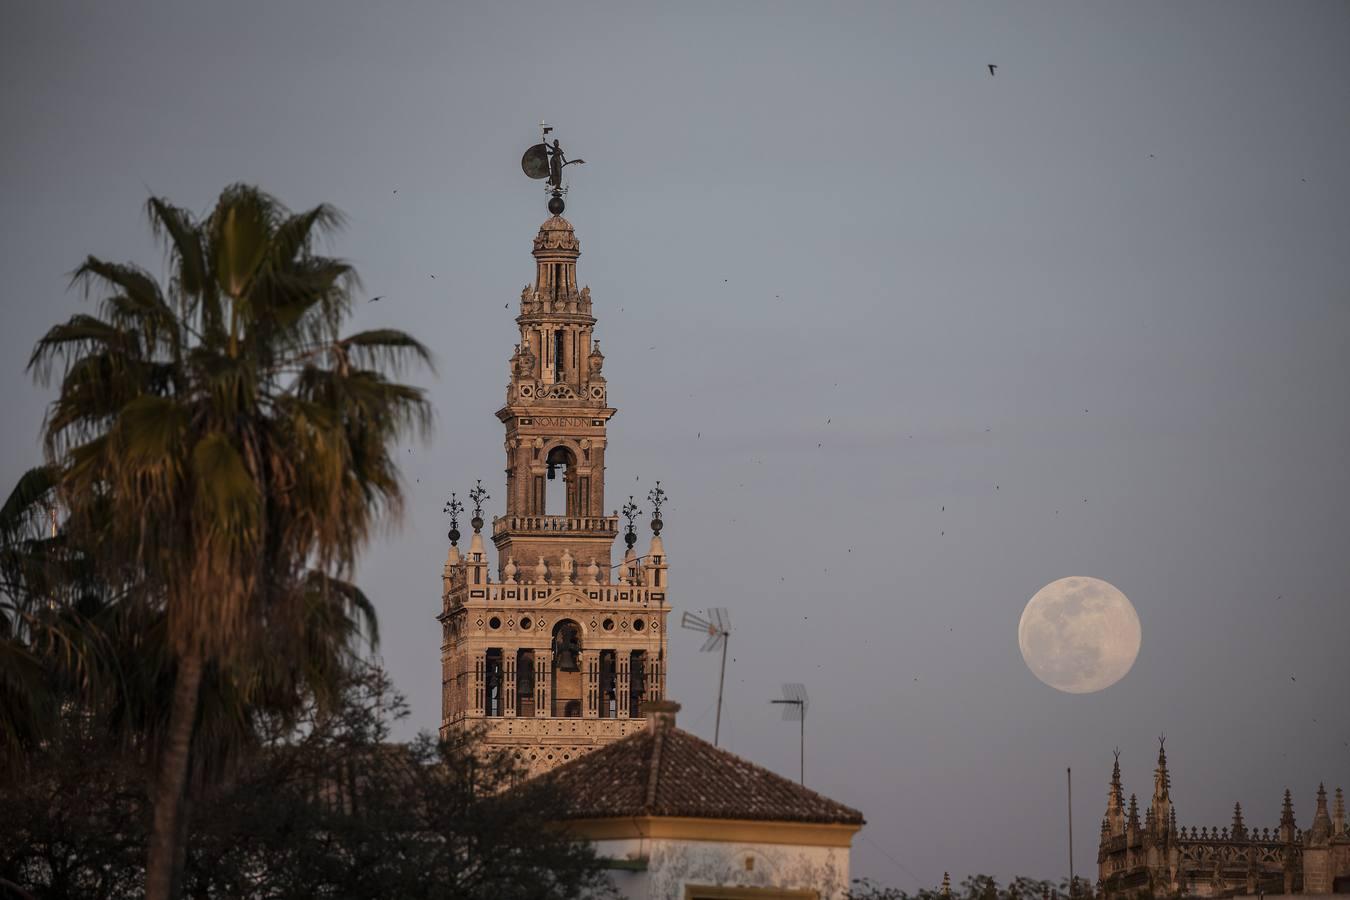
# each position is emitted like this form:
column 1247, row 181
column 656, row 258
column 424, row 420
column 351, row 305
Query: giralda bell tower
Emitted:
column 553, row 650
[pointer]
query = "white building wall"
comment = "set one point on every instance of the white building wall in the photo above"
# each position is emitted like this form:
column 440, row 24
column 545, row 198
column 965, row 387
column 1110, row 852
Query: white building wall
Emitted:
column 673, row 865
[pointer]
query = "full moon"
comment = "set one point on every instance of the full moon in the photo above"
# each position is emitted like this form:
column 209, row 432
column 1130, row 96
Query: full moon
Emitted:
column 1079, row 634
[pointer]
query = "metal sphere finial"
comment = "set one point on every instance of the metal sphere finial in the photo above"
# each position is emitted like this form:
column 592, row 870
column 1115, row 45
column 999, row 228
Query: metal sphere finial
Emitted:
column 452, row 509
column 630, row 512
column 478, row 495
column 556, row 204
column 656, row 497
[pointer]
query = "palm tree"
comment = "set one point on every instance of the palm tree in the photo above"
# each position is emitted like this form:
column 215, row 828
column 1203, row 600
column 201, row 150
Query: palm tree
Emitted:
column 226, row 451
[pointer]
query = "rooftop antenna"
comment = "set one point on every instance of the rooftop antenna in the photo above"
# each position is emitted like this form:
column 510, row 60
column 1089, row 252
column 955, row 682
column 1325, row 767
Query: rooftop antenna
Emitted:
column 545, row 160
column 1068, row 775
column 717, row 626
column 794, row 704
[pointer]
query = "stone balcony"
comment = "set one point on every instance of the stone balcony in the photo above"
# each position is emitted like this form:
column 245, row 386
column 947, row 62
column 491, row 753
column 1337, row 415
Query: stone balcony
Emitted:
column 581, row 526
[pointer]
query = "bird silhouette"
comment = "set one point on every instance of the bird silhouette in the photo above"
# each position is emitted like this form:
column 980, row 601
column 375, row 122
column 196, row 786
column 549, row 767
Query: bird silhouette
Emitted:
column 992, row 67
column 376, row 299
column 433, row 277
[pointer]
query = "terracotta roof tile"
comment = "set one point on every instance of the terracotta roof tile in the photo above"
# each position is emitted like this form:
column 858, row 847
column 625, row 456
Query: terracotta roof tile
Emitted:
column 669, row 772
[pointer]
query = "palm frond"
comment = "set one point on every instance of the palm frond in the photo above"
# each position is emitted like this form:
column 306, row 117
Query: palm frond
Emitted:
column 79, row 335
column 28, row 502
column 381, row 347
column 238, row 233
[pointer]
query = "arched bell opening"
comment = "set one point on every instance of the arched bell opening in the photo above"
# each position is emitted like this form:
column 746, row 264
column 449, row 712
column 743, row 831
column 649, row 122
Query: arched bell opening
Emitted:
column 560, row 494
column 566, row 672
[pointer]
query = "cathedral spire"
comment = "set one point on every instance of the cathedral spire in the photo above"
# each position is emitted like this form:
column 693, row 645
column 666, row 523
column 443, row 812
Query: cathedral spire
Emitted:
column 1162, row 788
column 1239, row 830
column 1115, row 801
column 1287, row 827
column 1321, row 830
column 1338, row 813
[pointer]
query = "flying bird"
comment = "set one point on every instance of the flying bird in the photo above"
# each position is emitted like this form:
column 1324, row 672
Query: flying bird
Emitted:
column 433, row 278
column 376, row 299
column 992, row 67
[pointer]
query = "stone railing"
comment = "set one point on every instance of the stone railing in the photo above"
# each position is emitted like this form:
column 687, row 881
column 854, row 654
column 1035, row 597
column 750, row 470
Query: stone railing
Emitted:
column 574, row 728
column 532, row 592
column 587, row 526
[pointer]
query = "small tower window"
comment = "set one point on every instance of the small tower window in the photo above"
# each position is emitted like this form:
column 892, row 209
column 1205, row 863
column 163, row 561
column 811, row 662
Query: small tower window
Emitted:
column 524, row 682
column 493, row 672
column 558, row 355
column 609, row 695
column 637, row 682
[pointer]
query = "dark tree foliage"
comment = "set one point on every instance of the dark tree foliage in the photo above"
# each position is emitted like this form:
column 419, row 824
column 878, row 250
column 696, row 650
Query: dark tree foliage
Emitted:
column 73, row 825
column 978, row 887
column 328, row 807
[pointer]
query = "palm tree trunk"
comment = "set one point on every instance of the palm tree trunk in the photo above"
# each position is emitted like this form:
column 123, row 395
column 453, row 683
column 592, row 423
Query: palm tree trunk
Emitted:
column 167, row 831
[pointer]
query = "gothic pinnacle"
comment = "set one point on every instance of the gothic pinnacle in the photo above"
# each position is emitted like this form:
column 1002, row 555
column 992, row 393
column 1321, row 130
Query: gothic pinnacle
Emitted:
column 1116, row 795
column 1162, row 778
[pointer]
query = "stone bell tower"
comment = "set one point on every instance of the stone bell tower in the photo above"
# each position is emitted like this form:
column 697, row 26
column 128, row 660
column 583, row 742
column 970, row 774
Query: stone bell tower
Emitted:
column 554, row 651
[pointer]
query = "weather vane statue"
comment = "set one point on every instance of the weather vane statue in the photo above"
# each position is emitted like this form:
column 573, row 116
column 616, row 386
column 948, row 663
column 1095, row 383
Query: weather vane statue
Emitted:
column 545, row 160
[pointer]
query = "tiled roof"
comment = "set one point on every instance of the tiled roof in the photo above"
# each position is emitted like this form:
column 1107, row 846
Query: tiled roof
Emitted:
column 669, row 772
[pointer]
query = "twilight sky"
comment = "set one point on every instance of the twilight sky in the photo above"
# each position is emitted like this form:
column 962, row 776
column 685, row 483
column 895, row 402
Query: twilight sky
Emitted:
column 1097, row 307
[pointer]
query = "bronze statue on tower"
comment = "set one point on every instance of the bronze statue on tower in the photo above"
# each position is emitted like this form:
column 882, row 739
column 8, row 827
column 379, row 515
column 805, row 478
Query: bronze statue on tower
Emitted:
column 545, row 161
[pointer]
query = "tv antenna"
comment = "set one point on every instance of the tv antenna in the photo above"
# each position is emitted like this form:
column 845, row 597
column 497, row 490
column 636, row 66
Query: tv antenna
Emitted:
column 794, row 704
column 718, row 629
